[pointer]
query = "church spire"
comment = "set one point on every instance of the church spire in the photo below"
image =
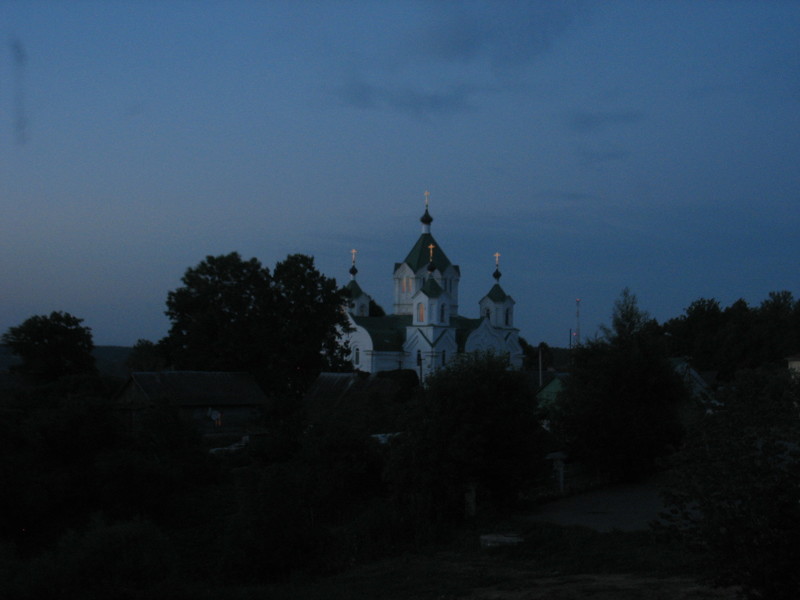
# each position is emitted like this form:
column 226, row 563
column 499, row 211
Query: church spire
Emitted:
column 426, row 219
column 431, row 265
column 497, row 274
column 353, row 269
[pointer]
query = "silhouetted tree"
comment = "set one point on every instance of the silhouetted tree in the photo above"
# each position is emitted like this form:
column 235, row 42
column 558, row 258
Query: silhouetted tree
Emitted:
column 620, row 408
column 473, row 428
column 52, row 346
column 231, row 314
column 735, row 492
column 147, row 356
column 738, row 337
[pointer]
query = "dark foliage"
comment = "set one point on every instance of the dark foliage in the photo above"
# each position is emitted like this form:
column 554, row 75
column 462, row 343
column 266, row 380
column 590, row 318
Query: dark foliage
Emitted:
column 148, row 356
column 473, row 428
column 737, row 337
column 620, row 408
column 736, row 488
column 233, row 315
column 51, row 346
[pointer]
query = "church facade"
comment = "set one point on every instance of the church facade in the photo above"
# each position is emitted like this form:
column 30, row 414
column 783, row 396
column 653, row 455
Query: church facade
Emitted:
column 425, row 330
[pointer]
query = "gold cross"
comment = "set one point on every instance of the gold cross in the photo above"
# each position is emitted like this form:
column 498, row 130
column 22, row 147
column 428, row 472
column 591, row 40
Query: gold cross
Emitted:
column 427, row 198
column 354, row 252
column 431, row 247
column 496, row 259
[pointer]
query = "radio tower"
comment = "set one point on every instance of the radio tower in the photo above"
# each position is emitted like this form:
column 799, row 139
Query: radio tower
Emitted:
column 578, row 322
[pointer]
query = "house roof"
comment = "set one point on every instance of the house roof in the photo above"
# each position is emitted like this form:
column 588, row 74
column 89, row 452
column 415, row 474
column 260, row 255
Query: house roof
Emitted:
column 199, row 388
column 351, row 397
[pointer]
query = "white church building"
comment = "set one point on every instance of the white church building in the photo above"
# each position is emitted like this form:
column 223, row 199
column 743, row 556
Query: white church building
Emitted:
column 425, row 330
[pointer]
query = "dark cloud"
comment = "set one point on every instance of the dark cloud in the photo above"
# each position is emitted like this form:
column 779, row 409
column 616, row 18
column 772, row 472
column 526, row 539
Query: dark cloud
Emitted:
column 449, row 99
column 589, row 122
column 505, row 36
column 508, row 34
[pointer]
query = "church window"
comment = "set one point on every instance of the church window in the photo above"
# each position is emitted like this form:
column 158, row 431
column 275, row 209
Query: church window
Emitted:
column 362, row 310
column 508, row 316
column 407, row 284
column 487, row 313
column 443, row 313
column 421, row 312
column 444, row 357
column 357, row 357
column 419, row 357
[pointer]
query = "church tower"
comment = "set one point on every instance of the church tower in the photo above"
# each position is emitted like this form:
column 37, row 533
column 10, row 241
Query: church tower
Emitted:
column 359, row 300
column 497, row 306
column 412, row 274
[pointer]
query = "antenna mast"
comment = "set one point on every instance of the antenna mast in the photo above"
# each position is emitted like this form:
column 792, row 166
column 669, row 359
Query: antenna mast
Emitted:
column 578, row 322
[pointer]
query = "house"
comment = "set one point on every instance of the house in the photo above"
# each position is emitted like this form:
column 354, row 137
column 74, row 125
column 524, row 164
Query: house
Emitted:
column 215, row 402
column 426, row 330
column 373, row 403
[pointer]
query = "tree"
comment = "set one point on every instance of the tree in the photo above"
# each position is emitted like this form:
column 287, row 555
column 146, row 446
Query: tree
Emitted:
column 735, row 493
column 52, row 346
column 221, row 315
column 147, row 356
column 231, row 314
column 620, row 408
column 473, row 429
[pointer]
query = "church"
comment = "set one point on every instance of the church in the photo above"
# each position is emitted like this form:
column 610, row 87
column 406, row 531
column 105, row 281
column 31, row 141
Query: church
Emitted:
column 425, row 330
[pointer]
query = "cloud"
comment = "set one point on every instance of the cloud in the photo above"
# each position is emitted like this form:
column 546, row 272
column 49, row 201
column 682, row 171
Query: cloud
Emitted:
column 591, row 121
column 460, row 50
column 507, row 34
column 449, row 99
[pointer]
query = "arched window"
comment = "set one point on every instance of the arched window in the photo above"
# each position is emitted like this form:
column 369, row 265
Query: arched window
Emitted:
column 443, row 313
column 362, row 310
column 444, row 357
column 419, row 357
column 487, row 313
column 508, row 316
column 421, row 312
column 357, row 357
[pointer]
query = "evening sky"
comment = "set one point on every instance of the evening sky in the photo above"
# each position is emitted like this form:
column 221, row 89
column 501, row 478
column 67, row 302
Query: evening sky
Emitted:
column 595, row 145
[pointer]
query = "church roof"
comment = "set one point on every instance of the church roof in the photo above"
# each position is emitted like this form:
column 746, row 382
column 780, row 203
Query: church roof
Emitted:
column 464, row 326
column 496, row 294
column 420, row 254
column 354, row 289
column 431, row 289
column 389, row 333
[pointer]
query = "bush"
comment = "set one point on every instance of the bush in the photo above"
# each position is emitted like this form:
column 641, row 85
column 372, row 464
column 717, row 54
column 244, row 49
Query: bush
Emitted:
column 736, row 494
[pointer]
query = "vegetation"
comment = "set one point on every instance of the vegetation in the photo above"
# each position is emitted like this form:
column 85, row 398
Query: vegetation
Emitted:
column 51, row 346
column 232, row 314
column 620, row 410
column 738, row 337
column 93, row 509
column 472, row 433
column 736, row 489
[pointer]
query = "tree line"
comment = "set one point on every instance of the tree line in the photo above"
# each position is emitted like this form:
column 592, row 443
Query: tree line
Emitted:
column 315, row 496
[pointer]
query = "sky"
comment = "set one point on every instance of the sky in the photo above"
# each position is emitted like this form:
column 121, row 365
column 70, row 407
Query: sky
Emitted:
column 594, row 145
